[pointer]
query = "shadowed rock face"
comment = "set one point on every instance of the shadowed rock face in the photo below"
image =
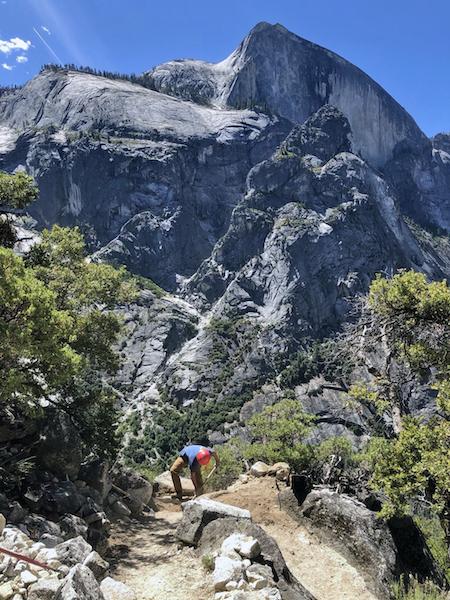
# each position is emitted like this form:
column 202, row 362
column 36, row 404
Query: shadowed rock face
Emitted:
column 151, row 179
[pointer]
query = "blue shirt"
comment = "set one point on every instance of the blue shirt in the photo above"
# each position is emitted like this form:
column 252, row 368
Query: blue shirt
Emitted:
column 190, row 452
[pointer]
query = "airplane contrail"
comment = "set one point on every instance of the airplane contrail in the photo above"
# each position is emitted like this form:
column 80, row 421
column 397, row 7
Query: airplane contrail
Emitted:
column 47, row 45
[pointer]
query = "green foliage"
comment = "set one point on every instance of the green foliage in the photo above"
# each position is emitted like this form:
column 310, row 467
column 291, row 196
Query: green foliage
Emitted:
column 336, row 447
column 58, row 333
column 232, row 464
column 410, row 589
column 16, row 192
column 145, row 283
column 278, row 433
column 416, row 318
column 435, row 538
column 319, row 358
column 208, row 562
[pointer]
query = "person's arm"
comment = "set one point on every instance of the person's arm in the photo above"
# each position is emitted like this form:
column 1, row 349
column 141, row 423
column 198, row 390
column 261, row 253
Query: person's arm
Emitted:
column 216, row 457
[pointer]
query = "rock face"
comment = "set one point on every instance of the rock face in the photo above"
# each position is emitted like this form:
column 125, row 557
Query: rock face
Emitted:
column 265, row 192
column 304, row 78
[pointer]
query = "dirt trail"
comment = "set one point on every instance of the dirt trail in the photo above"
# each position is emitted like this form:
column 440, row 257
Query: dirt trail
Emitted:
column 145, row 554
column 320, row 568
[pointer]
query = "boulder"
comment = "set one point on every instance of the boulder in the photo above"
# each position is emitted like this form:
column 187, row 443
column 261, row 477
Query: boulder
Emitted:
column 278, row 467
column 96, row 473
column 73, row 551
column 2, row 523
column 60, row 448
column 198, row 513
column 96, row 564
column 115, row 590
column 44, row 589
column 138, row 489
column 164, row 484
column 226, row 570
column 73, row 526
column 259, row 469
column 80, row 584
column 363, row 538
column 244, row 545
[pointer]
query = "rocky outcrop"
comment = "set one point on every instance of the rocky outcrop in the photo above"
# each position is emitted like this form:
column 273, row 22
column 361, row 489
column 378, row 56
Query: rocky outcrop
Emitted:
column 151, row 179
column 198, row 513
column 380, row 550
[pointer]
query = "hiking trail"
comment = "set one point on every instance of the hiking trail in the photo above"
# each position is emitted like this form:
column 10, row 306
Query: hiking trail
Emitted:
column 147, row 556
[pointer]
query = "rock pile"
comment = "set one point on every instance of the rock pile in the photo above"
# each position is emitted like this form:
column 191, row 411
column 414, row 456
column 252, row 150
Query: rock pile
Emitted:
column 237, row 574
column 248, row 564
column 74, row 569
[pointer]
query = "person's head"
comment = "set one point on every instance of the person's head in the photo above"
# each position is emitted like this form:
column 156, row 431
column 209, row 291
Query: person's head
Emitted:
column 203, row 456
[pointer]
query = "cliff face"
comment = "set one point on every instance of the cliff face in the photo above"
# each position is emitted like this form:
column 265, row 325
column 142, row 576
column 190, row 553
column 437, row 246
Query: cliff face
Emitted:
column 265, row 191
column 151, row 179
column 280, row 72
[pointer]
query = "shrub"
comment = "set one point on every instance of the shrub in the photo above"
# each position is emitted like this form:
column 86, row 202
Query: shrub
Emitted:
column 278, row 433
column 232, row 464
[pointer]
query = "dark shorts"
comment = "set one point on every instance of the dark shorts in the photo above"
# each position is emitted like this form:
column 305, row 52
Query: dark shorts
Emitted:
column 195, row 465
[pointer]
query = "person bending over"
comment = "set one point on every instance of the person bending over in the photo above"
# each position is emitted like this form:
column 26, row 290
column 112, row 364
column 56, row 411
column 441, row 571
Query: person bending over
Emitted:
column 194, row 456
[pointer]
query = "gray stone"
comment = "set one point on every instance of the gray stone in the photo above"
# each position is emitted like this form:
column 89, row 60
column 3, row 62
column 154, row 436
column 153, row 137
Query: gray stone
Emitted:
column 44, row 589
column 358, row 533
column 60, row 448
column 96, row 564
column 73, row 551
column 245, row 546
column 198, row 513
column 80, row 584
column 115, row 590
column 164, row 484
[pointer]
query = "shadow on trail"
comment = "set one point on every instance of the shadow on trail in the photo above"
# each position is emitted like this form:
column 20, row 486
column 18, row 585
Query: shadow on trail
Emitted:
column 142, row 534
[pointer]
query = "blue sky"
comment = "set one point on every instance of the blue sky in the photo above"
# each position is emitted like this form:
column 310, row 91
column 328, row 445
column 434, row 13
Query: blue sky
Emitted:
column 403, row 44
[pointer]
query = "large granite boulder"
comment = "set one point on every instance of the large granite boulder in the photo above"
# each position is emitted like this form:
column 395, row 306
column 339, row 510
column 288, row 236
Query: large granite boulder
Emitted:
column 363, row 538
column 198, row 513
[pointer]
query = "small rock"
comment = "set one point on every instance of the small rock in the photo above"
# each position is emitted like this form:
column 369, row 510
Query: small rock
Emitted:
column 259, row 469
column 245, row 545
column 80, row 584
column 115, row 590
column 96, row 564
column 259, row 576
column 6, row 591
column 27, row 577
column 121, row 509
column 226, row 569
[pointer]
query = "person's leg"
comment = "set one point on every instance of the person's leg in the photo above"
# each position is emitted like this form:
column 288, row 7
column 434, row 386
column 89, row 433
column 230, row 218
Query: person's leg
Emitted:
column 175, row 471
column 196, row 476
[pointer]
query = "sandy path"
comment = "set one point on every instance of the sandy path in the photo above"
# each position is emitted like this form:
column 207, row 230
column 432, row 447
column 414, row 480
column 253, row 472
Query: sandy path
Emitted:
column 322, row 570
column 145, row 555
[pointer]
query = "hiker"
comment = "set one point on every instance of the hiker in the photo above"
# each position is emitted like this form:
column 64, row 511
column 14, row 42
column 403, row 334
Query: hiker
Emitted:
column 196, row 457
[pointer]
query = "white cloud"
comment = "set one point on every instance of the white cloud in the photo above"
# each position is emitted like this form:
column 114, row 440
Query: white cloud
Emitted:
column 46, row 29
column 22, row 58
column 7, row 67
column 49, row 48
column 7, row 46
